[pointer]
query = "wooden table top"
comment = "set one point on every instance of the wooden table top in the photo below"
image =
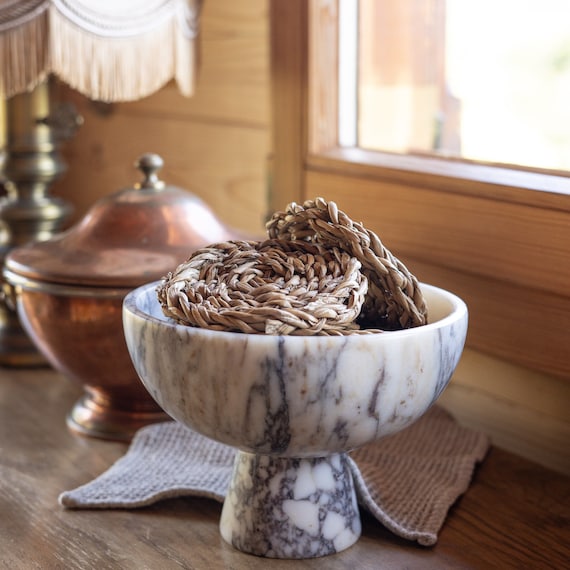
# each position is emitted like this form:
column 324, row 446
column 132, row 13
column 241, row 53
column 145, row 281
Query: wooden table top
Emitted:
column 515, row 514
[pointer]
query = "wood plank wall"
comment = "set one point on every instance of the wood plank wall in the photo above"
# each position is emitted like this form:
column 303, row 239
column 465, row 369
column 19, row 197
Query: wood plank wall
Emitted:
column 214, row 144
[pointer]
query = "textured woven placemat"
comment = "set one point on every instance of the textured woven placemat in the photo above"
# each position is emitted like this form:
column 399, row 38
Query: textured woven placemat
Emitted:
column 408, row 481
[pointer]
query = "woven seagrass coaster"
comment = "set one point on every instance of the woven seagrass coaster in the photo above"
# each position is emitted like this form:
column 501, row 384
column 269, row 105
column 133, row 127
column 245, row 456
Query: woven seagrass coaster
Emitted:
column 318, row 273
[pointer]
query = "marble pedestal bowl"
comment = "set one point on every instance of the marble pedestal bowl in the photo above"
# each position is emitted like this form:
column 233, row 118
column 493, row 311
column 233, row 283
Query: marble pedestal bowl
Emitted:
column 293, row 406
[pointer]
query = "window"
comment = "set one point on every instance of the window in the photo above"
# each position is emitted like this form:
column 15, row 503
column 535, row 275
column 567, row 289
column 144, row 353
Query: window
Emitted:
column 486, row 81
column 497, row 236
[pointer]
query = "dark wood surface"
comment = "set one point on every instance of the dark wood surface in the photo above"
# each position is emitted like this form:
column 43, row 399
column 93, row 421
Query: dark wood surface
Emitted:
column 515, row 514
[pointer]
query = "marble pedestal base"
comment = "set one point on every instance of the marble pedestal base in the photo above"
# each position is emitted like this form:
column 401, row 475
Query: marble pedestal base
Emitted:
column 290, row 508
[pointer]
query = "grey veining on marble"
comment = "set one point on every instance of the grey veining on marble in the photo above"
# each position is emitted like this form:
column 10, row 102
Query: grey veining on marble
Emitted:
column 293, row 406
column 291, row 508
column 293, row 396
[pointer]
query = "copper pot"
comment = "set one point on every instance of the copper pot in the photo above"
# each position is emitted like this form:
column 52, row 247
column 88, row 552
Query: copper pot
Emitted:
column 69, row 291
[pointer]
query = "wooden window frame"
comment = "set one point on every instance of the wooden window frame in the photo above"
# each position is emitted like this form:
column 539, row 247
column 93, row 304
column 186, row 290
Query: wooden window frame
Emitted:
column 497, row 236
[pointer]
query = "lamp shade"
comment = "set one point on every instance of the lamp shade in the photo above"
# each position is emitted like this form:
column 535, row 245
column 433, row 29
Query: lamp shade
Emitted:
column 109, row 50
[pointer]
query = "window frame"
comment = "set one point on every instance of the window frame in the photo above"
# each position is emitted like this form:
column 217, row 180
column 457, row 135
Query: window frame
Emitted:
column 507, row 251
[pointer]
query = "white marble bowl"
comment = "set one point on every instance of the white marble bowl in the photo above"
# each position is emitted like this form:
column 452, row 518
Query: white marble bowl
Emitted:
column 293, row 406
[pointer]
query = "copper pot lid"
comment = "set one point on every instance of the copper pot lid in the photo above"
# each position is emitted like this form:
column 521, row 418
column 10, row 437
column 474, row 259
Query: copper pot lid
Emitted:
column 134, row 236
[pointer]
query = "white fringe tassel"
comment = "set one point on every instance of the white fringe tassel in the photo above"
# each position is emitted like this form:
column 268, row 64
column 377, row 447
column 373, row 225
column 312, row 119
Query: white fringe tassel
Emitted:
column 102, row 68
column 23, row 55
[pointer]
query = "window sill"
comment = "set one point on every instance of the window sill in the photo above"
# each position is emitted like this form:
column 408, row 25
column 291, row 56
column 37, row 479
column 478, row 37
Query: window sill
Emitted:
column 519, row 186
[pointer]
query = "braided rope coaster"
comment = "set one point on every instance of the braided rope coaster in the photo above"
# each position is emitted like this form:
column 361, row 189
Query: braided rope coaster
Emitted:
column 271, row 287
column 318, row 273
column 394, row 299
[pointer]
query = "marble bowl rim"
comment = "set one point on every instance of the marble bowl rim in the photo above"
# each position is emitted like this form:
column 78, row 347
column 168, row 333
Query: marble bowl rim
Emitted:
column 458, row 311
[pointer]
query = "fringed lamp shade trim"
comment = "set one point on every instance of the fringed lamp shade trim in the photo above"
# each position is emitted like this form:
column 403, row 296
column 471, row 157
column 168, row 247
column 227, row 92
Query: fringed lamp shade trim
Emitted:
column 119, row 50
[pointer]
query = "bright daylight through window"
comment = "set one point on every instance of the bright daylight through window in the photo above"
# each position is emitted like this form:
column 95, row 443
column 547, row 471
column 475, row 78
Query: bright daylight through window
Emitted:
column 487, row 81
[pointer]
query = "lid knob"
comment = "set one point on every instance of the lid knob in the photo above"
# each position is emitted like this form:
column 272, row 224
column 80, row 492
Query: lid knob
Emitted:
column 149, row 164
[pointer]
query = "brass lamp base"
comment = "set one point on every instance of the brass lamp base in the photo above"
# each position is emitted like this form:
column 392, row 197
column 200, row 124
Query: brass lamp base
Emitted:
column 32, row 162
column 93, row 416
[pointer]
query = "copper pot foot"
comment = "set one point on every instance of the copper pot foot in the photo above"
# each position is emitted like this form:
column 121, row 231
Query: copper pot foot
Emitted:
column 90, row 418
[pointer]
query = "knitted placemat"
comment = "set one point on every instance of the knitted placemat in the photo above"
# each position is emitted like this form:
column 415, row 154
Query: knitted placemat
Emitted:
column 408, row 481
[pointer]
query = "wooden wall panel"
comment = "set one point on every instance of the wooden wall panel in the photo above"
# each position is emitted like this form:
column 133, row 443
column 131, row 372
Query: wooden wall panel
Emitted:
column 523, row 411
column 233, row 78
column 222, row 164
column 288, row 54
column 215, row 144
column 501, row 319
